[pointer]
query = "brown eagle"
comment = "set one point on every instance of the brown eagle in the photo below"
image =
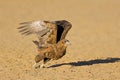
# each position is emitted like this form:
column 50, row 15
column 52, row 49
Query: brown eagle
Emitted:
column 48, row 32
column 53, row 52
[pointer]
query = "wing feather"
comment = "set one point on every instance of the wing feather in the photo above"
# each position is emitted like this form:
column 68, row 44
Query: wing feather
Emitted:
column 24, row 33
column 63, row 27
column 26, row 22
column 43, row 30
column 22, row 27
column 22, row 30
column 33, row 27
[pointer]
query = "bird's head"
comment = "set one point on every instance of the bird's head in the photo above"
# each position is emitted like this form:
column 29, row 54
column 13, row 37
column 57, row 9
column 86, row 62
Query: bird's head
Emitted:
column 65, row 42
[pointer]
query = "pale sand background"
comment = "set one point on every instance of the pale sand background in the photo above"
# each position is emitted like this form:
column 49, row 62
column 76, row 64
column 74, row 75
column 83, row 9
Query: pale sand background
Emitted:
column 95, row 36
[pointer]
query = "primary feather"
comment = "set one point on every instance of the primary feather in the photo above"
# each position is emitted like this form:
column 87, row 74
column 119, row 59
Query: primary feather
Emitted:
column 37, row 27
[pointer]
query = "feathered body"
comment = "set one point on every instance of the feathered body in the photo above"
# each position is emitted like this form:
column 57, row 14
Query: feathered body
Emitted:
column 51, row 35
column 54, row 52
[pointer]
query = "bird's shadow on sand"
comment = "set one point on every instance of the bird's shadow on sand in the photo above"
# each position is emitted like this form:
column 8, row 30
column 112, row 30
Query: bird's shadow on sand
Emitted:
column 90, row 62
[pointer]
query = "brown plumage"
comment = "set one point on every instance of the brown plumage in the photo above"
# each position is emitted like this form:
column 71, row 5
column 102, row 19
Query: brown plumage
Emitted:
column 51, row 34
column 54, row 52
column 48, row 32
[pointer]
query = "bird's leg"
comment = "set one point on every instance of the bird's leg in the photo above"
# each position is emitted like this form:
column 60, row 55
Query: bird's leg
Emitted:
column 44, row 61
column 38, row 58
column 42, row 65
column 36, row 65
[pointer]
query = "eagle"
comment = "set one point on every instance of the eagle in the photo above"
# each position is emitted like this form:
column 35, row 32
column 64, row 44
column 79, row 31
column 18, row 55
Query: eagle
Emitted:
column 53, row 52
column 48, row 32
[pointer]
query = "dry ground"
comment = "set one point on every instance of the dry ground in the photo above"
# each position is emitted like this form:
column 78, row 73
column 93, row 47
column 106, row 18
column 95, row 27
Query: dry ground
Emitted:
column 95, row 37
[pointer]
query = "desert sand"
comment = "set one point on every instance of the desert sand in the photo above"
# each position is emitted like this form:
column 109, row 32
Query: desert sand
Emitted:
column 95, row 38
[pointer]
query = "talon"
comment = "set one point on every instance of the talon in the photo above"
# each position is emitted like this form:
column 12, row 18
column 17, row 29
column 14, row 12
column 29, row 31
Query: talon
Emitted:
column 35, row 66
column 42, row 66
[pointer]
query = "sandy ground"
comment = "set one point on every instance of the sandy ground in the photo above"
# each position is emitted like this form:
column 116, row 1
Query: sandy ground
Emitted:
column 95, row 37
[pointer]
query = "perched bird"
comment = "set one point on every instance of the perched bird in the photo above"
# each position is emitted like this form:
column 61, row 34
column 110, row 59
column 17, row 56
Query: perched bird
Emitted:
column 54, row 52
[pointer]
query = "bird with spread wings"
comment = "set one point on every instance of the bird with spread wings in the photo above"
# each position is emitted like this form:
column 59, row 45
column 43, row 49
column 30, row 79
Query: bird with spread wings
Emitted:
column 49, row 33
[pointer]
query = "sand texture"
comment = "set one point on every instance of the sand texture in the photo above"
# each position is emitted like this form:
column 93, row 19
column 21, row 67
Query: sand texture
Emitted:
column 94, row 53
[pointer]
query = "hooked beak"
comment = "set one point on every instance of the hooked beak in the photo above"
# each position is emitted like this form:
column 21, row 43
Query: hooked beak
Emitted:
column 68, row 43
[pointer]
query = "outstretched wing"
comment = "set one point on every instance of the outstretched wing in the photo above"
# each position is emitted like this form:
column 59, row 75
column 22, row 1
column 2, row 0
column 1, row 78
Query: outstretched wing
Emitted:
column 34, row 27
column 45, row 30
column 63, row 27
column 59, row 29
